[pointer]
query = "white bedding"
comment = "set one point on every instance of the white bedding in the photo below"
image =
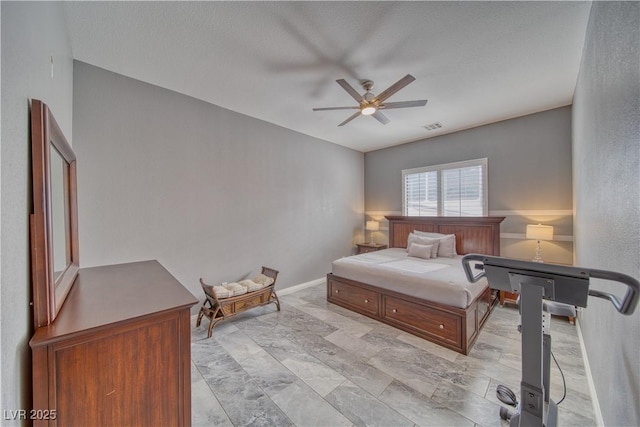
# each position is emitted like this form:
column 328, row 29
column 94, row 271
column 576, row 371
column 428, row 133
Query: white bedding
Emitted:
column 441, row 280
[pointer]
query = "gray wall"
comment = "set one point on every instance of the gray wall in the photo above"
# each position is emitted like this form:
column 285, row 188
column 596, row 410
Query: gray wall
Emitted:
column 31, row 33
column 606, row 144
column 529, row 173
column 206, row 191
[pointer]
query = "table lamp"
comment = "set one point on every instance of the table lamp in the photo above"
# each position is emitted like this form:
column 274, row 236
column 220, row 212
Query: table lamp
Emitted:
column 372, row 226
column 539, row 232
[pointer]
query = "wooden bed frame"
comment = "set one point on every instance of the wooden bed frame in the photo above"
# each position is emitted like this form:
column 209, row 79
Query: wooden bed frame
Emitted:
column 451, row 327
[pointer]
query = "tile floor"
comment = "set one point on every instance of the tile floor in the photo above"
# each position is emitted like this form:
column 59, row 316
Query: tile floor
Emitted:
column 317, row 364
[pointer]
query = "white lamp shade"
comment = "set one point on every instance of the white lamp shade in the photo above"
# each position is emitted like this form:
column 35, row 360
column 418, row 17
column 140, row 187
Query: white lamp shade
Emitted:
column 372, row 226
column 539, row 232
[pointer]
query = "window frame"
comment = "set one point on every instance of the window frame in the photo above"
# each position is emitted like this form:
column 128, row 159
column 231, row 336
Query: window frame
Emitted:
column 448, row 166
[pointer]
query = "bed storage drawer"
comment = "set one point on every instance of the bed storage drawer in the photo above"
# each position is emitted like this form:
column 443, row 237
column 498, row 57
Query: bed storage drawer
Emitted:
column 451, row 327
column 427, row 320
column 364, row 300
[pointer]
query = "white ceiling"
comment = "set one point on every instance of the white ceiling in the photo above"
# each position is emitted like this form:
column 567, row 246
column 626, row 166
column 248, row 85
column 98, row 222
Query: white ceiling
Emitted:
column 476, row 62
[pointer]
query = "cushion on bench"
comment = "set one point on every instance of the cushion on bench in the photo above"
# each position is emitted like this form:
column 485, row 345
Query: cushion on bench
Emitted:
column 222, row 292
column 262, row 279
column 233, row 289
column 251, row 285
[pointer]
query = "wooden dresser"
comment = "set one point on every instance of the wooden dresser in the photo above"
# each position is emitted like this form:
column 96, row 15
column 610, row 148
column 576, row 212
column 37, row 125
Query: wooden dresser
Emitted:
column 119, row 352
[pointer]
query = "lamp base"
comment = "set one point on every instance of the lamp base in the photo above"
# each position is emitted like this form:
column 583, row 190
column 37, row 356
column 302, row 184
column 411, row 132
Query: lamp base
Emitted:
column 538, row 257
column 371, row 242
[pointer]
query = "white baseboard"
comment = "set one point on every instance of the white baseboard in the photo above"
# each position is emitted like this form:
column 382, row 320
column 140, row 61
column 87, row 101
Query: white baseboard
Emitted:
column 592, row 387
column 301, row 286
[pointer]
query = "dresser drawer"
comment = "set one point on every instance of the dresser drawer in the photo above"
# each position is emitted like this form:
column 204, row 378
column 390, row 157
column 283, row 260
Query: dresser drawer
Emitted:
column 427, row 320
column 363, row 299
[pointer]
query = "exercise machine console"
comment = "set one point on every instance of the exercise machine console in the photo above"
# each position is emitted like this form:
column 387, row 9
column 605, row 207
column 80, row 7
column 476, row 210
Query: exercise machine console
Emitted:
column 536, row 282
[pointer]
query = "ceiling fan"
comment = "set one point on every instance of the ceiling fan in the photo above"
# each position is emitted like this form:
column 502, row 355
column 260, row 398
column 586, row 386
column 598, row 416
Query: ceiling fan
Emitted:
column 370, row 104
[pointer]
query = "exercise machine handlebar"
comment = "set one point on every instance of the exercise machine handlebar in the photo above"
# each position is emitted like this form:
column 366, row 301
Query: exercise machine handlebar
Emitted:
column 556, row 272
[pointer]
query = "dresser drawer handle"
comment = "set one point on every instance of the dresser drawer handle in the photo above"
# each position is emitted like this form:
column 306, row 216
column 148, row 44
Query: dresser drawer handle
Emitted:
column 366, row 301
column 394, row 310
column 337, row 291
column 441, row 326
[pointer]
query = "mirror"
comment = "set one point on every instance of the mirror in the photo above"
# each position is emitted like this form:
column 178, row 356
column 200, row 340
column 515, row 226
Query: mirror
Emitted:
column 60, row 221
column 54, row 222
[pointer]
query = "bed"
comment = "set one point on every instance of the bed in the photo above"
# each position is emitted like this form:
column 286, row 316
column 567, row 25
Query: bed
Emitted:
column 427, row 298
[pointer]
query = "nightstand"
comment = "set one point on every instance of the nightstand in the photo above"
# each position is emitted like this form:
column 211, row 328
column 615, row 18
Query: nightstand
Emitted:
column 508, row 297
column 363, row 248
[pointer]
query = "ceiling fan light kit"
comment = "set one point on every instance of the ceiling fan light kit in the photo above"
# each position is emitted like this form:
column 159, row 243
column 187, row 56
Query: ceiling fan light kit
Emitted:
column 370, row 104
column 368, row 110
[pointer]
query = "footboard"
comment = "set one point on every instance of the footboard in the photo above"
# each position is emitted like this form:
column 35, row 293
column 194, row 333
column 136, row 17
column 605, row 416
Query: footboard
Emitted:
column 451, row 327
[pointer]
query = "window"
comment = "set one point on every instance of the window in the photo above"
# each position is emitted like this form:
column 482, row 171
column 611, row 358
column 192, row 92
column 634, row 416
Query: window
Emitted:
column 452, row 189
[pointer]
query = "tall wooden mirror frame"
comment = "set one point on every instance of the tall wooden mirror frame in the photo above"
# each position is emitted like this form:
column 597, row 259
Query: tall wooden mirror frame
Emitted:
column 49, row 290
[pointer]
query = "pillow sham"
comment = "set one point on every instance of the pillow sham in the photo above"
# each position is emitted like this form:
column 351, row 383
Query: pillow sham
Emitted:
column 420, row 251
column 434, row 243
column 428, row 234
column 447, row 247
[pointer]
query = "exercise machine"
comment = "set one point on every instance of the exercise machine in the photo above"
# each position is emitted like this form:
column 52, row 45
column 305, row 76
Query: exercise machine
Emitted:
column 536, row 282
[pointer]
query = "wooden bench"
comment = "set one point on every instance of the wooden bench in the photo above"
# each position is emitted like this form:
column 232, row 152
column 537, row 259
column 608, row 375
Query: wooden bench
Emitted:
column 218, row 309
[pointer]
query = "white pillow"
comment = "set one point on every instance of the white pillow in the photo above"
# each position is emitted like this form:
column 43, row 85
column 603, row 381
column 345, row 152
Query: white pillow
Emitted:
column 420, row 251
column 428, row 234
column 434, row 243
column 445, row 249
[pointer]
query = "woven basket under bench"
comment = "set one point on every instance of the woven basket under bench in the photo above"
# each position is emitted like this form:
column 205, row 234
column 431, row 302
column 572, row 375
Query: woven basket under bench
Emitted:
column 218, row 309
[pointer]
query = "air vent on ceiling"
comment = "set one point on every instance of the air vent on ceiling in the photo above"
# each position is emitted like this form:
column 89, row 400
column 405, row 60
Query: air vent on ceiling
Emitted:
column 433, row 126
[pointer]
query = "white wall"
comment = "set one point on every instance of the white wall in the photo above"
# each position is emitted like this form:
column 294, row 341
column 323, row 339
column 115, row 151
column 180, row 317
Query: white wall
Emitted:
column 206, row 191
column 606, row 167
column 31, row 33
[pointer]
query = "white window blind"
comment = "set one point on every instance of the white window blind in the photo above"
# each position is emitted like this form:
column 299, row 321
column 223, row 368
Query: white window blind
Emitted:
column 452, row 189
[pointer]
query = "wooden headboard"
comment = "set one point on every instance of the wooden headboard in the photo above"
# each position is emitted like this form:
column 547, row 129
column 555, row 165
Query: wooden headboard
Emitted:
column 478, row 234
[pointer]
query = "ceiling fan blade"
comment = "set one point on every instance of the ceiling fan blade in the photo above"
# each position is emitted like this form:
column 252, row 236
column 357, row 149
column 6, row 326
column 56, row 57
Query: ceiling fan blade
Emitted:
column 395, row 87
column 336, row 108
column 350, row 90
column 380, row 117
column 403, row 104
column 353, row 116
